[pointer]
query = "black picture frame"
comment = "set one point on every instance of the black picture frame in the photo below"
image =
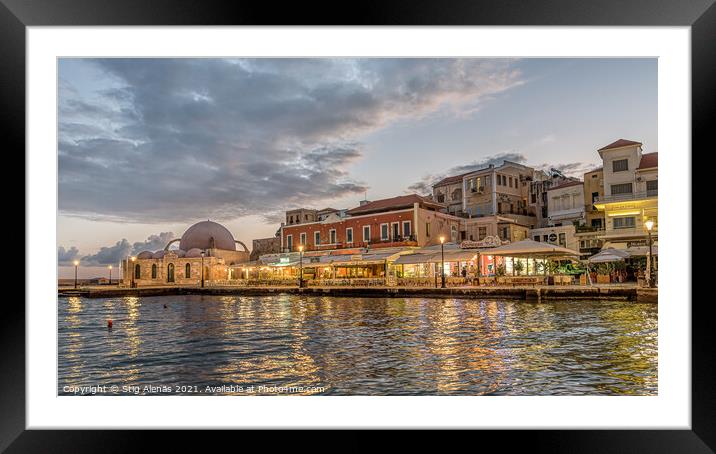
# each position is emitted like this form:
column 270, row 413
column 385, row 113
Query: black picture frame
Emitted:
column 16, row 15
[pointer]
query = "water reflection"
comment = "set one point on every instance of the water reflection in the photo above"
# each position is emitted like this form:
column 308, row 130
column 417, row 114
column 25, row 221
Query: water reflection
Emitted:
column 361, row 346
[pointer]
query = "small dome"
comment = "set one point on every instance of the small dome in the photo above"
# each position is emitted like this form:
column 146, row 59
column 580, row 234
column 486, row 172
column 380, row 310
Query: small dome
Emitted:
column 158, row 254
column 193, row 252
column 145, row 255
column 179, row 252
column 207, row 235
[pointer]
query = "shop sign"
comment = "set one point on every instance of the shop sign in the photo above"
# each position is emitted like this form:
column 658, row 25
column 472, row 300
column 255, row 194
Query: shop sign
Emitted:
column 315, row 259
column 357, row 257
column 488, row 241
column 552, row 237
column 284, row 260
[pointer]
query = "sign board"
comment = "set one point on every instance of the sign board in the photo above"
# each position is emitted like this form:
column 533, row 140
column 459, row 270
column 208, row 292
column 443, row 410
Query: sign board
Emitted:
column 553, row 237
column 284, row 260
column 357, row 257
column 488, row 241
column 315, row 259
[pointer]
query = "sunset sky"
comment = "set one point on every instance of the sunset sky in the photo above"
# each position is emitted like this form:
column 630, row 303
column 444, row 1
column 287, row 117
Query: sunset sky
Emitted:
column 148, row 147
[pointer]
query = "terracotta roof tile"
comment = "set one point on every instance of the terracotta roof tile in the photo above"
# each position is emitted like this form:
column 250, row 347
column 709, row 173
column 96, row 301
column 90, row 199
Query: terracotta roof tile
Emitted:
column 393, row 203
column 649, row 160
column 449, row 180
column 566, row 185
column 619, row 143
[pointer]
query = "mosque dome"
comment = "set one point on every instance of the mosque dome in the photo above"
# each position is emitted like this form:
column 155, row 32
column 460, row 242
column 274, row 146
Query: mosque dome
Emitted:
column 194, row 252
column 179, row 253
column 158, row 254
column 144, row 255
column 207, row 235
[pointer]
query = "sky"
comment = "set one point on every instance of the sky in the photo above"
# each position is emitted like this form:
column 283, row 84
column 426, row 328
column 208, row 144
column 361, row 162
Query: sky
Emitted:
column 148, row 147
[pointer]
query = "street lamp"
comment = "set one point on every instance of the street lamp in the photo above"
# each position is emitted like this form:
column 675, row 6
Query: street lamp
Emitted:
column 442, row 262
column 650, row 264
column 110, row 274
column 133, row 271
column 77, row 263
column 202, row 267
column 300, row 266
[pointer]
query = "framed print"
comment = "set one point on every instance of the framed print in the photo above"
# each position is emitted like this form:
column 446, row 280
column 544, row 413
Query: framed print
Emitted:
column 421, row 219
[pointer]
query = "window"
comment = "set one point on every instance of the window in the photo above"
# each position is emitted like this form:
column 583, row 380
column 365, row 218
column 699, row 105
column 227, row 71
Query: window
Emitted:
column 536, row 237
column 332, row 236
column 499, row 207
column 349, row 235
column 481, row 233
column 302, row 238
column 289, row 242
column 504, row 233
column 562, row 239
column 427, row 229
column 383, row 231
column 652, row 187
column 595, row 196
column 453, row 234
column 597, row 223
column 170, row 272
column 366, row 233
column 510, row 182
column 534, row 198
column 395, row 230
column 441, row 198
column 625, row 188
column 137, row 271
column 406, row 229
column 624, row 222
column 154, row 271
column 187, row 271
column 620, row 165
column 316, row 238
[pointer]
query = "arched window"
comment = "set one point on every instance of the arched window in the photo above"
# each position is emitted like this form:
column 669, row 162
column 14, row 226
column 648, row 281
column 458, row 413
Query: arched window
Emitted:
column 154, row 271
column 170, row 272
column 137, row 271
column 187, row 271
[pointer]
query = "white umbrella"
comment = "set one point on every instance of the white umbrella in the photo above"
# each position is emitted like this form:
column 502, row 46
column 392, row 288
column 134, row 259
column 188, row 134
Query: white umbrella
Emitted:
column 531, row 248
column 609, row 255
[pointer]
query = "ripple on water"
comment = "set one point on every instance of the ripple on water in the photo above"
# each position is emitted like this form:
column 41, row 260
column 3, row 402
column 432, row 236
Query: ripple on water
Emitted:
column 357, row 346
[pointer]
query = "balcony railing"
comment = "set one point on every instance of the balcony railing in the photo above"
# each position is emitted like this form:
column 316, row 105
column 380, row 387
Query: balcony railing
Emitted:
column 627, row 197
column 401, row 240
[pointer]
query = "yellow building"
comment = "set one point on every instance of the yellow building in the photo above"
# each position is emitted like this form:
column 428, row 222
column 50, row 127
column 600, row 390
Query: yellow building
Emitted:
column 630, row 194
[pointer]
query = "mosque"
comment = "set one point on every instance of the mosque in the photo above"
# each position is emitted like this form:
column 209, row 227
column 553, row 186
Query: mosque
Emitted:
column 206, row 245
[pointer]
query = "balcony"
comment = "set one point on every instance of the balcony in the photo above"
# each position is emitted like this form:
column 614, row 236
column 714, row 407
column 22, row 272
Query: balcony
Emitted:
column 409, row 240
column 652, row 194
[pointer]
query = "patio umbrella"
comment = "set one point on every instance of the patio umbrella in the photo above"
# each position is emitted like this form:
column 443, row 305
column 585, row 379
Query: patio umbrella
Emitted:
column 531, row 248
column 609, row 255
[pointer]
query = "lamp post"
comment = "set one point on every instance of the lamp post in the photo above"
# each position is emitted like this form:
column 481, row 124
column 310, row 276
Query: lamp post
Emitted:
column 76, row 263
column 110, row 274
column 202, row 267
column 650, row 264
column 442, row 262
column 133, row 271
column 300, row 266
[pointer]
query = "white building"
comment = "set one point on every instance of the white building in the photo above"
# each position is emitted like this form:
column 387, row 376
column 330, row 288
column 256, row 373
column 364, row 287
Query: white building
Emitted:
column 566, row 204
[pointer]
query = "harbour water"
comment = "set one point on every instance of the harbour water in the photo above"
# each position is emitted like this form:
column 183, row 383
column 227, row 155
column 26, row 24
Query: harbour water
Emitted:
column 294, row 344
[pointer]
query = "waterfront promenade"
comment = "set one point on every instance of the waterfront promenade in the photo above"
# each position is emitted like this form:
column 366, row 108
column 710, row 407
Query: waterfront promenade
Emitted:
column 530, row 293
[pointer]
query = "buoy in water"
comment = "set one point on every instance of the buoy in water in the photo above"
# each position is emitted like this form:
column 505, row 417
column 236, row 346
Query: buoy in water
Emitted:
column 109, row 324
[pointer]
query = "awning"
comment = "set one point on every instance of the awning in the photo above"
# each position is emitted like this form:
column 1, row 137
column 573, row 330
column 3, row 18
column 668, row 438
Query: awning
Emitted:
column 642, row 251
column 411, row 259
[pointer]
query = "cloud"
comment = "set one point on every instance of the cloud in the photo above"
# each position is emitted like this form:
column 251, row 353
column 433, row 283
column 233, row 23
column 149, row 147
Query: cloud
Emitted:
column 572, row 169
column 425, row 185
column 175, row 140
column 67, row 256
column 109, row 255
column 153, row 243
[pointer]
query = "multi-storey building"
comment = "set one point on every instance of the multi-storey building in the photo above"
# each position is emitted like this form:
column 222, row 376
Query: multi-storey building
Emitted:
column 301, row 216
column 538, row 202
column 566, row 204
column 408, row 220
column 630, row 193
column 593, row 190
